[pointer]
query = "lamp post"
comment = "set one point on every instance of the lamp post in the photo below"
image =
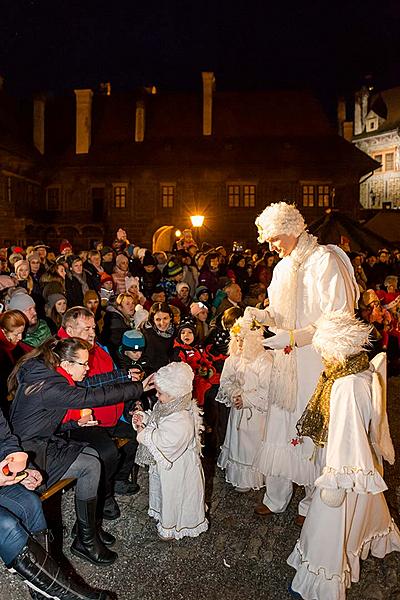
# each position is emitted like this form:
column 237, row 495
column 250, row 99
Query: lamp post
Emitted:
column 197, row 223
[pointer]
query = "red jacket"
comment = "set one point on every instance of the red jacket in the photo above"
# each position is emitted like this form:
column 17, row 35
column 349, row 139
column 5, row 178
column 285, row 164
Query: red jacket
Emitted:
column 99, row 362
column 201, row 365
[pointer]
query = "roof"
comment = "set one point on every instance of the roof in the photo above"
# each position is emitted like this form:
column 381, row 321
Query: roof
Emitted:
column 333, row 224
column 385, row 104
column 386, row 222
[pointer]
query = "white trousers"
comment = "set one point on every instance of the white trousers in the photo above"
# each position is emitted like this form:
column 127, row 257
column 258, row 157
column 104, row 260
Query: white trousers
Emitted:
column 279, row 492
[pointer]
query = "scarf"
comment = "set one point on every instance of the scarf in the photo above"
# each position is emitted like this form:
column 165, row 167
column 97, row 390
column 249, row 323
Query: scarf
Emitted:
column 143, row 454
column 314, row 422
column 164, row 334
column 284, row 369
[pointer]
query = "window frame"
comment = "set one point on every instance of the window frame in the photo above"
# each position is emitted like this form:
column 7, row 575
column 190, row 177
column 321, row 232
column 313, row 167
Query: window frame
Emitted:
column 241, row 194
column 117, row 204
column 317, row 194
column 168, row 193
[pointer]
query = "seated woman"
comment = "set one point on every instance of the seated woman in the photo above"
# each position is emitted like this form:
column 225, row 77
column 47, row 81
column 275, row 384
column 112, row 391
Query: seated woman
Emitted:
column 23, row 529
column 12, row 327
column 44, row 385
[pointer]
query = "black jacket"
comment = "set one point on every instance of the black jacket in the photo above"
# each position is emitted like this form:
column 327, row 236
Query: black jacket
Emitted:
column 158, row 351
column 42, row 399
column 8, row 441
column 114, row 327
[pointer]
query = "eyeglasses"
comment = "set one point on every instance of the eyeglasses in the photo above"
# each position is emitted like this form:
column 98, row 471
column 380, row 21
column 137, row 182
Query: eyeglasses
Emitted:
column 83, row 364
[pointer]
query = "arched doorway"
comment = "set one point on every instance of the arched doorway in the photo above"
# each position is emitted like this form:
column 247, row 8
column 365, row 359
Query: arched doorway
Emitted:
column 163, row 238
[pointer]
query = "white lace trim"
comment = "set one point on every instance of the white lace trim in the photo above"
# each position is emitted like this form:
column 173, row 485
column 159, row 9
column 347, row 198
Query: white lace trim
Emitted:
column 286, row 461
column 177, row 534
column 238, row 474
column 154, row 451
column 352, row 478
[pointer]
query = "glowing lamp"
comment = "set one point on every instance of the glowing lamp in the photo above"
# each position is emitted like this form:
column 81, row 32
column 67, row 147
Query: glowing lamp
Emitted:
column 197, row 220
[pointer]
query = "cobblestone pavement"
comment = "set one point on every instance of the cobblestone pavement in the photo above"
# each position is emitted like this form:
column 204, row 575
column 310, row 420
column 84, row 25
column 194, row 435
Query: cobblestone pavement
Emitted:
column 242, row 557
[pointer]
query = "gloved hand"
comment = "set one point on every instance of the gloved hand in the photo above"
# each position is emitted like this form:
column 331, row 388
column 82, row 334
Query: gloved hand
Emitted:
column 333, row 498
column 279, row 341
column 261, row 315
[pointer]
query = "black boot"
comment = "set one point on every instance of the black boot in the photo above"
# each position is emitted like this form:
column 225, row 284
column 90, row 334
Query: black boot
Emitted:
column 105, row 536
column 43, row 537
column 87, row 544
column 111, row 509
column 45, row 577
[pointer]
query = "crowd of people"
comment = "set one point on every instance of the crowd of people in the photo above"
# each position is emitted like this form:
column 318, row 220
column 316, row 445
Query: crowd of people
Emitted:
column 171, row 351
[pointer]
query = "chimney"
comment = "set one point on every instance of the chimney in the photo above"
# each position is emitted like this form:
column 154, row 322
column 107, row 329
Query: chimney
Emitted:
column 139, row 121
column 341, row 114
column 39, row 107
column 208, row 88
column 360, row 110
column 348, row 130
column 83, row 120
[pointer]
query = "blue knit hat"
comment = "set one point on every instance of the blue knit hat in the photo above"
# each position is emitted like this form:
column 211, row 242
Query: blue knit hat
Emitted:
column 132, row 340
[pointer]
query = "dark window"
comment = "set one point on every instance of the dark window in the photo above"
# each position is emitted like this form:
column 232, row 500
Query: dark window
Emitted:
column 167, row 196
column 378, row 158
column 53, row 198
column 98, row 200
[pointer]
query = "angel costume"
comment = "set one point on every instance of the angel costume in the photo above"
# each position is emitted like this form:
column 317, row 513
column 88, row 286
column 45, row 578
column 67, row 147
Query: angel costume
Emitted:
column 170, row 445
column 247, row 374
column 348, row 516
column 309, row 282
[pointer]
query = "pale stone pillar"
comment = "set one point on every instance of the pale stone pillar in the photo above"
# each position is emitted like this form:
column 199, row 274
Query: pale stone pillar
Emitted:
column 83, row 120
column 39, row 107
column 208, row 88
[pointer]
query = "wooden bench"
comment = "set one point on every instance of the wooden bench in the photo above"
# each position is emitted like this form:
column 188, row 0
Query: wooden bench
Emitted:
column 60, row 486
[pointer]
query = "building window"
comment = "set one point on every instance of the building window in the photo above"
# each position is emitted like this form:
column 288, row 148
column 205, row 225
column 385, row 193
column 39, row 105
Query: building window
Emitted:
column 389, row 161
column 378, row 158
column 168, row 195
column 241, row 195
column 308, row 195
column 317, row 194
column 53, row 198
column 119, row 195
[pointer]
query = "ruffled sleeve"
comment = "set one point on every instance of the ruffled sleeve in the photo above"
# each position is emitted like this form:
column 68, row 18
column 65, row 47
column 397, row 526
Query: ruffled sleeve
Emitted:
column 350, row 462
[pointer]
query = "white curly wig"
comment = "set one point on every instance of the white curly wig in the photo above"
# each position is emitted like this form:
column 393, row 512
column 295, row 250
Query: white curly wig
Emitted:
column 175, row 379
column 340, row 334
column 279, row 218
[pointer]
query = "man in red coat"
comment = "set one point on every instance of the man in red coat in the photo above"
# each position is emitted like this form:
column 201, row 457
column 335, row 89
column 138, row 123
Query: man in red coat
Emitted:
column 80, row 322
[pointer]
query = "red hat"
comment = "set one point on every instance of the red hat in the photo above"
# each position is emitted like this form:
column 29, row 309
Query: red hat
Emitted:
column 64, row 245
column 105, row 277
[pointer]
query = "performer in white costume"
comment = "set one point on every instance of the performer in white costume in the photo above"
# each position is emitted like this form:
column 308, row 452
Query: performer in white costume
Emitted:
column 309, row 281
column 346, row 419
column 244, row 384
column 169, row 442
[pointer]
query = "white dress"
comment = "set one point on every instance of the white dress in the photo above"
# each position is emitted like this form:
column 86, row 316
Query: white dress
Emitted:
column 176, row 481
column 324, row 284
column 246, row 426
column 333, row 539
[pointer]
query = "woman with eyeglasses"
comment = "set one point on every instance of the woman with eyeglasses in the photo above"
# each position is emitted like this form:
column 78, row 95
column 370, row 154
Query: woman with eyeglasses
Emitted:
column 43, row 382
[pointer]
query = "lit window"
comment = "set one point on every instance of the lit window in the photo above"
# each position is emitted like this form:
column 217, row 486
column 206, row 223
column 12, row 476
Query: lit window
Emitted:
column 308, row 195
column 389, row 161
column 378, row 158
column 167, row 196
column 53, row 198
column 323, row 195
column 241, row 195
column 120, row 196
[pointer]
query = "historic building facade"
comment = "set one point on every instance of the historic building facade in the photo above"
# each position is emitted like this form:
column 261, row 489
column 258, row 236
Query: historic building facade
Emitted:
column 145, row 160
column 376, row 132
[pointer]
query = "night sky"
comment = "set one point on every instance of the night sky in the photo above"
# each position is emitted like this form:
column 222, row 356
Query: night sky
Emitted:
column 327, row 46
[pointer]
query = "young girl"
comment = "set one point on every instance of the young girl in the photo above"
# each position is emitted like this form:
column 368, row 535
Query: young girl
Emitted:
column 170, row 444
column 244, row 386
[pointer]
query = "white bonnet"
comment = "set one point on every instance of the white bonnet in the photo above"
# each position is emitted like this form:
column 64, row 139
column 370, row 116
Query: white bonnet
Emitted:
column 175, row 379
column 340, row 334
column 279, row 218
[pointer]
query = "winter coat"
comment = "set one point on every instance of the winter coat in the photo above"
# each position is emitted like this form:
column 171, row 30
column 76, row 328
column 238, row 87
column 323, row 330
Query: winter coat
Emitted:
column 8, row 441
column 9, row 354
column 158, row 350
column 114, row 326
column 41, row 401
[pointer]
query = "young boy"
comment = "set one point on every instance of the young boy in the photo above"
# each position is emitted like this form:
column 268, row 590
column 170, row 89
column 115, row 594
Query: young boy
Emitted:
column 170, row 445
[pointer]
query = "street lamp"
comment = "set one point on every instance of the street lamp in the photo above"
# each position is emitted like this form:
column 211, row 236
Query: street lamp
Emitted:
column 197, row 223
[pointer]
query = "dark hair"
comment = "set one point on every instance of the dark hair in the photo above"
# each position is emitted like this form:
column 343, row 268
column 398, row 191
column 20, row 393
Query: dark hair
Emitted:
column 230, row 315
column 53, row 351
column 159, row 307
column 71, row 316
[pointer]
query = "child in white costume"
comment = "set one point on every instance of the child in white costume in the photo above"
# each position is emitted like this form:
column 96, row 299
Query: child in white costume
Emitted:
column 244, row 384
column 170, row 444
column 346, row 419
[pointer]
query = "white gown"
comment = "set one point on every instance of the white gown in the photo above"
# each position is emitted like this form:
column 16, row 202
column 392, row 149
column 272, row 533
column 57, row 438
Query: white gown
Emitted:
column 176, row 481
column 333, row 540
column 246, row 426
column 323, row 285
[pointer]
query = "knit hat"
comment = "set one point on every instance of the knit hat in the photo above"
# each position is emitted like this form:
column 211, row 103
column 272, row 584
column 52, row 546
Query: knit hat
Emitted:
column 106, row 250
column 196, row 308
column 180, row 285
column 15, row 257
column 277, row 219
column 6, row 282
column 33, row 256
column 39, row 244
column 17, row 249
column 64, row 245
column 20, row 302
column 53, row 287
column 52, row 299
column 202, row 289
column 175, row 379
column 105, row 277
column 72, row 258
column 121, row 258
column 132, row 340
column 187, row 323
column 90, row 295
column 173, row 269
column 221, row 342
column 148, row 260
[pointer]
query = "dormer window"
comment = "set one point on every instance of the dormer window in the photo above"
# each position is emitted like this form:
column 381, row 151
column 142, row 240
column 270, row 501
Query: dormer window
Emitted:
column 372, row 124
